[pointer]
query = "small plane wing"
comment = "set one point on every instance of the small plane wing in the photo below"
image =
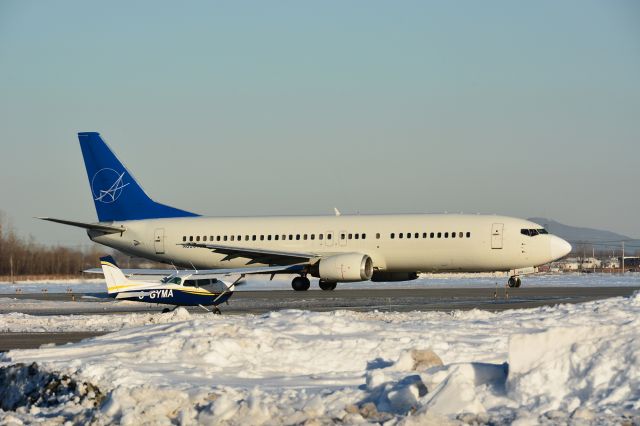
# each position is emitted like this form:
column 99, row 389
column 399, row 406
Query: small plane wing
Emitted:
column 205, row 273
column 269, row 257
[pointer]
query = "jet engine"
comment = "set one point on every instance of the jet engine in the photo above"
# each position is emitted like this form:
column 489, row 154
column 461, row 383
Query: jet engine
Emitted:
column 347, row 267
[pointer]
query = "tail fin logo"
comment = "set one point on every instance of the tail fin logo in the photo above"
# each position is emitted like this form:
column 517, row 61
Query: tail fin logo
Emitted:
column 107, row 185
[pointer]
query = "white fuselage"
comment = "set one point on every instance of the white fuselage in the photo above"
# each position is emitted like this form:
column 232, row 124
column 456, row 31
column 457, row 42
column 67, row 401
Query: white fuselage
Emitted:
column 481, row 242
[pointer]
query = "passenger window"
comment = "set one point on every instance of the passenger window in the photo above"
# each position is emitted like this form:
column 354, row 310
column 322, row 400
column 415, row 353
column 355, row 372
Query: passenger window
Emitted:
column 446, row 235
column 329, row 236
column 269, row 237
column 350, row 236
column 393, row 235
column 417, row 235
column 364, row 236
column 424, row 235
column 290, row 237
column 253, row 238
column 320, row 236
column 175, row 280
column 356, row 236
column 453, row 235
column 468, row 234
column 204, row 238
column 184, row 238
column 277, row 236
column 189, row 283
column 261, row 237
column 198, row 238
column 342, row 236
column 377, row 236
column 211, row 238
column 297, row 237
column 439, row 234
column 233, row 238
column 400, row 235
column 190, row 237
column 225, row 238
column 304, row 237
column 460, row 235
column 239, row 237
column 313, row 236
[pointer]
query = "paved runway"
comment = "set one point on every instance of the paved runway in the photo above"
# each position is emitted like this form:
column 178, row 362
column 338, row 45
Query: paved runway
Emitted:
column 256, row 302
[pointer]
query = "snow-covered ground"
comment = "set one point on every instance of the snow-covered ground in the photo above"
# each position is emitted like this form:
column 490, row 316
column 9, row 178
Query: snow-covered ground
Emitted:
column 426, row 281
column 576, row 364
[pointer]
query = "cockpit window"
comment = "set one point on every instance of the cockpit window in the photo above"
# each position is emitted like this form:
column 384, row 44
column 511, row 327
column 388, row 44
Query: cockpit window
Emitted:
column 533, row 232
column 190, row 283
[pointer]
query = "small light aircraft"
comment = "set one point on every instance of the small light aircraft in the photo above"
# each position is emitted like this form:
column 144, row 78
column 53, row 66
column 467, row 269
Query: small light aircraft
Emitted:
column 175, row 287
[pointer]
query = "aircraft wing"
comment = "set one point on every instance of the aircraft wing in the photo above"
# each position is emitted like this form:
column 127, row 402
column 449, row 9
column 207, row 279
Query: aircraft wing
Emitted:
column 269, row 257
column 204, row 273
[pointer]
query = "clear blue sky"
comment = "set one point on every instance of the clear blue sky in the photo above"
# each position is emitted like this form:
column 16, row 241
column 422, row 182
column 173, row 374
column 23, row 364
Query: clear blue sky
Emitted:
column 291, row 107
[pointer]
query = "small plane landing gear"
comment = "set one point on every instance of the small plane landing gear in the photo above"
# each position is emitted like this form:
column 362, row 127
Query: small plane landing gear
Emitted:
column 167, row 310
column 514, row 282
column 216, row 311
column 301, row 283
column 327, row 285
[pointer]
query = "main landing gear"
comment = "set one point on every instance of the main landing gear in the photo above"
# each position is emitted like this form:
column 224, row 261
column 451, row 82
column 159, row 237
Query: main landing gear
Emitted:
column 514, row 282
column 327, row 285
column 301, row 283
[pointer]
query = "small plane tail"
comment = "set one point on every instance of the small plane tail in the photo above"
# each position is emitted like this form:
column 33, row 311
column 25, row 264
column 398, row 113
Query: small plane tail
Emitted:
column 115, row 192
column 113, row 275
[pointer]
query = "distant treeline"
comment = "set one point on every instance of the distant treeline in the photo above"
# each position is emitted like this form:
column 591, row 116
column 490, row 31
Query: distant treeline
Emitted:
column 20, row 256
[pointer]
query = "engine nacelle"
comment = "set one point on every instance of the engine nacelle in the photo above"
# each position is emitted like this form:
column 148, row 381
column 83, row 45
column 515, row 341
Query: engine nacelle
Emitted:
column 382, row 276
column 346, row 267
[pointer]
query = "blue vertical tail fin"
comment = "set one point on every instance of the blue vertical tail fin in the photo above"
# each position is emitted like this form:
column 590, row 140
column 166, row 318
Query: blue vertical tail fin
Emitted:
column 116, row 194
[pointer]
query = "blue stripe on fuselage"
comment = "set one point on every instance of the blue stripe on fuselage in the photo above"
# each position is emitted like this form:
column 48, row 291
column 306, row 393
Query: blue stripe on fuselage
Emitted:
column 173, row 297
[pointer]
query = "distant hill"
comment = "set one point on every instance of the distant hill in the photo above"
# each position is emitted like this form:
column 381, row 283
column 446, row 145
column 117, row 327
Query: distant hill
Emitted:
column 578, row 236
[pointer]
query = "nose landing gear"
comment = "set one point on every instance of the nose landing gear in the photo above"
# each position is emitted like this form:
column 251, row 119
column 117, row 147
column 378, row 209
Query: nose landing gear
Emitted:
column 301, row 284
column 514, row 282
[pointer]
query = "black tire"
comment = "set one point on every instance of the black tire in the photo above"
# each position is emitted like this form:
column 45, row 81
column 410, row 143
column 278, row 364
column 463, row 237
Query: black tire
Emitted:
column 166, row 310
column 300, row 284
column 512, row 283
column 327, row 285
column 518, row 282
column 216, row 311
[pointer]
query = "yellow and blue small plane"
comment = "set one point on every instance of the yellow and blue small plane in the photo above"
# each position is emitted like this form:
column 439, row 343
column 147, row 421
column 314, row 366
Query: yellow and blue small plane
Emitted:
column 174, row 287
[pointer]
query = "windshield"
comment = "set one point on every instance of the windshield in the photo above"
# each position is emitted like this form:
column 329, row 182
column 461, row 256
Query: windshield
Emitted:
column 533, row 232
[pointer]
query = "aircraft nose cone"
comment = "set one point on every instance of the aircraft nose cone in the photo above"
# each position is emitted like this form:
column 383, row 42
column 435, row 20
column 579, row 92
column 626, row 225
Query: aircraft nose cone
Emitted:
column 559, row 247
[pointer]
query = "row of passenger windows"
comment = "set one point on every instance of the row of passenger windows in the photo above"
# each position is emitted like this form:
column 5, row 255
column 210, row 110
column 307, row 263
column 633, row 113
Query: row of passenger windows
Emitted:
column 432, row 235
column 278, row 237
column 329, row 236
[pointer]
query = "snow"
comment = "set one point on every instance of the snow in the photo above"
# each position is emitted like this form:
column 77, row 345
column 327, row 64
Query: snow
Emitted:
column 461, row 280
column 561, row 364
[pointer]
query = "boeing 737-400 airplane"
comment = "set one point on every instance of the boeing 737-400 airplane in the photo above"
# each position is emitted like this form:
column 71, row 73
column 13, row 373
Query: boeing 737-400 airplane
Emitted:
column 340, row 248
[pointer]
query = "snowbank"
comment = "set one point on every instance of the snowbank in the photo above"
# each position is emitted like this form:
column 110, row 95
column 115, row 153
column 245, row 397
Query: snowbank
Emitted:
column 546, row 365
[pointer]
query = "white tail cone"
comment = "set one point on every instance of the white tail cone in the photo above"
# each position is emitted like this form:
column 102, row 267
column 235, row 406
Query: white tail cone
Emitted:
column 559, row 247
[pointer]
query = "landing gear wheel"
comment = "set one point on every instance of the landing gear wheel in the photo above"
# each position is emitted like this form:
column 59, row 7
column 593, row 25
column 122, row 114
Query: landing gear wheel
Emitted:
column 301, row 284
column 327, row 285
column 166, row 310
column 514, row 282
column 216, row 311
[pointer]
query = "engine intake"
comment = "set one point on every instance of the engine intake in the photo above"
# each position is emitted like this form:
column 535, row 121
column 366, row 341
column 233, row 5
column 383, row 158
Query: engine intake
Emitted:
column 347, row 267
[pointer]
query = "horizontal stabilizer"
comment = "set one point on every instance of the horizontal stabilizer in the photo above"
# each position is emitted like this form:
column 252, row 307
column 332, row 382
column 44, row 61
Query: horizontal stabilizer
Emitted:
column 92, row 226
